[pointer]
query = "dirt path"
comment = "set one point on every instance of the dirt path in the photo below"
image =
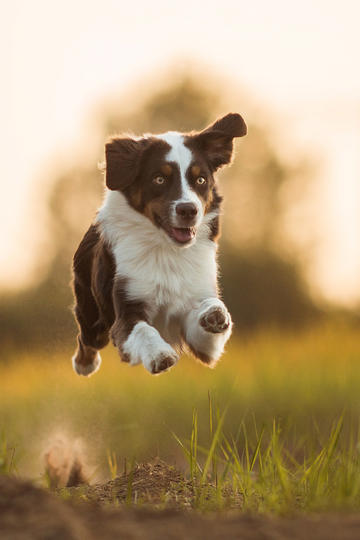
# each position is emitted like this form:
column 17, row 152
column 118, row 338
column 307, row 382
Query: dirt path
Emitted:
column 29, row 513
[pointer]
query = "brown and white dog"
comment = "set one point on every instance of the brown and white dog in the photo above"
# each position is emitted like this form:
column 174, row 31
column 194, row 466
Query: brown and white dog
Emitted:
column 145, row 271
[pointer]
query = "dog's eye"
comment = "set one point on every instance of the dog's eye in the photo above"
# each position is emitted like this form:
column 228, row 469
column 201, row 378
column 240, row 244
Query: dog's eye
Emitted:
column 201, row 180
column 159, row 180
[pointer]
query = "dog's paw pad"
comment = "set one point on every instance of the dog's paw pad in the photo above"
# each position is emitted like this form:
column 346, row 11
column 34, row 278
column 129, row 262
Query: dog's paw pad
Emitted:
column 215, row 320
column 162, row 363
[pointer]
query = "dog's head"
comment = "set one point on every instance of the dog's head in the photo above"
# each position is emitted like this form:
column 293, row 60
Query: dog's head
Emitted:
column 170, row 178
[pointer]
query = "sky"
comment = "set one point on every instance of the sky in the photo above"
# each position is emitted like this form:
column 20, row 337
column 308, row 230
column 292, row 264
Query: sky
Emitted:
column 299, row 60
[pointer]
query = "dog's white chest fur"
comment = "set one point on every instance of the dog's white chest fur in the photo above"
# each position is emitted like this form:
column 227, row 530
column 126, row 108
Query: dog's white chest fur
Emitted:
column 170, row 279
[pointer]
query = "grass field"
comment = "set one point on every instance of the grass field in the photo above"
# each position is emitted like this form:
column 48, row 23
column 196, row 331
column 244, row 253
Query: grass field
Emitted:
column 275, row 425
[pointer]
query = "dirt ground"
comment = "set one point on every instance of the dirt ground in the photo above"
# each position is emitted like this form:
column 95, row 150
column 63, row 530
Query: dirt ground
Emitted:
column 92, row 512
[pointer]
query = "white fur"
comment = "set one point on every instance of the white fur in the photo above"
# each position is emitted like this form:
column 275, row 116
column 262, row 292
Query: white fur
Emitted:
column 182, row 155
column 176, row 283
column 145, row 345
column 159, row 272
column 212, row 345
column 88, row 370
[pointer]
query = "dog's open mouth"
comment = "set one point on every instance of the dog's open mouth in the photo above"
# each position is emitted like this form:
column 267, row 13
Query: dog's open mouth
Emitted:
column 182, row 235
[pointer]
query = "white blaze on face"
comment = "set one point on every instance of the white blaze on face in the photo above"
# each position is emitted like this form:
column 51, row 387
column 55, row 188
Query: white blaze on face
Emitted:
column 182, row 156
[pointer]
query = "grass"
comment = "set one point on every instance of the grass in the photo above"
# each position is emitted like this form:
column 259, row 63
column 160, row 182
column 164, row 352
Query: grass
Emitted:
column 7, row 456
column 267, row 477
column 279, row 432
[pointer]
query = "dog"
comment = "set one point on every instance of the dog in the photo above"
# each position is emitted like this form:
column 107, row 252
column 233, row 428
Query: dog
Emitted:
column 145, row 273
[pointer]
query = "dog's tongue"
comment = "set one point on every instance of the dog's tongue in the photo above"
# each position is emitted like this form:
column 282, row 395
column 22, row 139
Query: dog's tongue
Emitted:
column 183, row 235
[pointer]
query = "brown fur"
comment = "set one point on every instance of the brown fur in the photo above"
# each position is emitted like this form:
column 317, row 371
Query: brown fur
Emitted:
column 102, row 306
column 148, row 158
column 94, row 269
column 127, row 314
column 205, row 359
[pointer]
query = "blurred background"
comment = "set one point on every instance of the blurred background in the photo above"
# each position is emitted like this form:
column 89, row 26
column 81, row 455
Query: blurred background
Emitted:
column 75, row 72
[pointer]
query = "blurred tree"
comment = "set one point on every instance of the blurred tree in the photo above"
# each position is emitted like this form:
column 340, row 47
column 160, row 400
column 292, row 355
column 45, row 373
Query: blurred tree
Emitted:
column 260, row 286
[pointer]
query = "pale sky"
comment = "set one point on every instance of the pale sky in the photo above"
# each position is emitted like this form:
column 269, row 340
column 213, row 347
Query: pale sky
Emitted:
column 300, row 60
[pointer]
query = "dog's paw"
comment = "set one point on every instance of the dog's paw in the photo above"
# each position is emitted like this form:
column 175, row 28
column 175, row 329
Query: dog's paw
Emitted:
column 216, row 319
column 145, row 346
column 162, row 362
column 86, row 366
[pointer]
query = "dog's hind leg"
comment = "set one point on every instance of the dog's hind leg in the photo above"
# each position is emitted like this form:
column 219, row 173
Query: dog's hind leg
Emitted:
column 93, row 324
column 93, row 335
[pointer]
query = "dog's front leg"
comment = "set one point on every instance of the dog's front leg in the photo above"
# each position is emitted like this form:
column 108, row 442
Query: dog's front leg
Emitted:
column 207, row 329
column 137, row 341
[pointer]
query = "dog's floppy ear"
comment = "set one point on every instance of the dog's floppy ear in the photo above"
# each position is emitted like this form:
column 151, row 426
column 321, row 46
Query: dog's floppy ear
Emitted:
column 123, row 156
column 217, row 140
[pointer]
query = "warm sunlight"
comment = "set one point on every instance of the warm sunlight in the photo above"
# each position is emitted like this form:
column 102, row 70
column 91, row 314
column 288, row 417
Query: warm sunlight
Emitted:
column 180, row 350
column 297, row 62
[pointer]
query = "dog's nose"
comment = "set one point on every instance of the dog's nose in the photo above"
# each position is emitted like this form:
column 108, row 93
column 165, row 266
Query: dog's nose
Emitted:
column 186, row 210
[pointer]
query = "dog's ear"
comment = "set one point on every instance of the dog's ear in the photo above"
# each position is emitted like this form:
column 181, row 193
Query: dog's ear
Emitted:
column 217, row 140
column 123, row 157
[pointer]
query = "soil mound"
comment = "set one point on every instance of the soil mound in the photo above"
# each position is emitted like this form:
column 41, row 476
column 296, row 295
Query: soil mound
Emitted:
column 154, row 483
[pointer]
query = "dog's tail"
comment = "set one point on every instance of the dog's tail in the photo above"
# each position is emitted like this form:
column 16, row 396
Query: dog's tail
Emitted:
column 65, row 462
